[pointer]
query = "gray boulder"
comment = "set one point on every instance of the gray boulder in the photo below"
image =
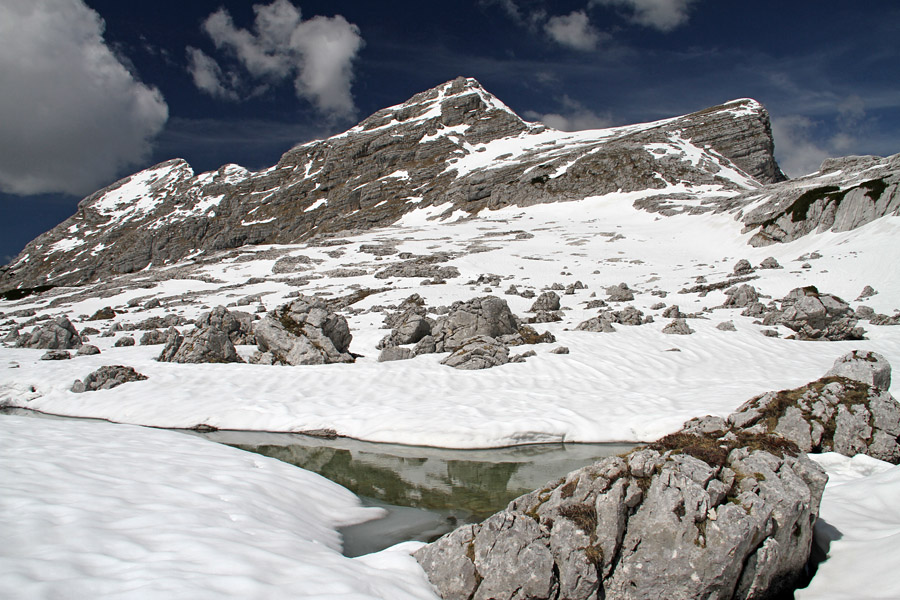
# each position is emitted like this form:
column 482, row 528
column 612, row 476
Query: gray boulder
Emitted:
column 486, row 316
column 832, row 414
column 742, row 267
column 154, row 337
column 692, row 516
column 817, row 316
column 547, row 301
column 236, row 324
column 770, row 263
column 124, row 341
column 620, row 293
column 409, row 324
column 726, row 326
column 478, row 352
column 87, row 350
column 107, row 377
column 599, row 324
column 867, row 292
column 868, row 367
column 303, row 332
column 56, row 355
column 739, row 297
column 678, row 327
column 57, row 334
column 392, row 353
column 207, row 345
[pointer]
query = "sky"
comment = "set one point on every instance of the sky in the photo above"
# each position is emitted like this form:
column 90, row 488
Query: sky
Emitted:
column 94, row 90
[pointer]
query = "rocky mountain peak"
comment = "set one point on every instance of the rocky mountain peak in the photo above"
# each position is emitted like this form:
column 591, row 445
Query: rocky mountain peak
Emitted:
column 452, row 148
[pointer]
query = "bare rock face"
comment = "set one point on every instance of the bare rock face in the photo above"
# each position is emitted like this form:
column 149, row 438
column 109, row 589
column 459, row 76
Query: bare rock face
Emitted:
column 303, row 332
column 236, row 324
column 692, row 516
column 206, row 345
column 740, row 297
column 486, row 316
column 817, row 316
column 479, row 352
column 844, row 194
column 842, row 412
column 409, row 324
column 58, row 334
column 107, row 377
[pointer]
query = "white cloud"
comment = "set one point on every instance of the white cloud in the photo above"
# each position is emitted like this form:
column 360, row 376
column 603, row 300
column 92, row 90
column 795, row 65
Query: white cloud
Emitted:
column 573, row 30
column 317, row 54
column 574, row 116
column 664, row 15
column 797, row 153
column 207, row 75
column 72, row 116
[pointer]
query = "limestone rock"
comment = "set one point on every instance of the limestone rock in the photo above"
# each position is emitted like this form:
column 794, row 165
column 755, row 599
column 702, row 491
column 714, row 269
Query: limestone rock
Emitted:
column 599, row 324
column 726, row 326
column 478, row 352
column 392, row 353
column 834, row 413
column 87, row 350
column 58, row 334
column 153, row 337
column 304, row 332
column 107, row 377
column 867, row 292
column 691, row 516
column 124, row 341
column 410, row 323
column 207, row 345
column 547, row 301
column 816, row 316
column 742, row 267
column 56, row 355
column 678, row 327
column 770, row 263
column 485, row 316
column 868, row 367
column 740, row 297
column 620, row 293
column 236, row 324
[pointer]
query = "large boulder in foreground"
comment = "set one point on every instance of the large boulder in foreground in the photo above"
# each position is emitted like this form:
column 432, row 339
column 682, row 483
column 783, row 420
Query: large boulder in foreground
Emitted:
column 303, row 332
column 489, row 316
column 58, row 334
column 817, row 316
column 692, row 516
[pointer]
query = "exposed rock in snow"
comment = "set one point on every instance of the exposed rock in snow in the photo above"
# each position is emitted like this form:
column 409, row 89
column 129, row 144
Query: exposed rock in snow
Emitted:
column 207, row 345
column 486, row 316
column 107, row 377
column 478, row 352
column 58, row 334
column 304, row 332
column 817, row 316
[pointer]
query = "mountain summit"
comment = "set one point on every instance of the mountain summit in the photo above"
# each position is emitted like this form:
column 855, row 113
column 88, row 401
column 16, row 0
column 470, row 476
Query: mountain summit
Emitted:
column 455, row 146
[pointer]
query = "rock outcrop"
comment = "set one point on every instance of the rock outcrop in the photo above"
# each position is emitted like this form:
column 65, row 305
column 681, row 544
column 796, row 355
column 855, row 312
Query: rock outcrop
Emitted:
column 201, row 345
column 818, row 316
column 56, row 334
column 485, row 316
column 303, row 332
column 107, row 377
column 844, row 194
column 236, row 324
column 479, row 352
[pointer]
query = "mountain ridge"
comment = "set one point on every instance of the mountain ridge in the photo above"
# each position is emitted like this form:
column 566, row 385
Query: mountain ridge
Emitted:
column 454, row 146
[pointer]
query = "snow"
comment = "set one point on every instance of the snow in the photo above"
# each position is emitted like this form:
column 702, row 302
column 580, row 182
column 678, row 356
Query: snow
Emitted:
column 96, row 510
column 859, row 526
column 316, row 204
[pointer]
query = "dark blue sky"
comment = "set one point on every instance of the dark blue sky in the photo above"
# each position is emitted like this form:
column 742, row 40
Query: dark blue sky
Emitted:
column 827, row 71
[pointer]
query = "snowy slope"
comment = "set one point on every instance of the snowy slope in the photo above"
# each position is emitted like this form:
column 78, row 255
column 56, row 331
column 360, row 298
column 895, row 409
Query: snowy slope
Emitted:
column 634, row 384
column 94, row 510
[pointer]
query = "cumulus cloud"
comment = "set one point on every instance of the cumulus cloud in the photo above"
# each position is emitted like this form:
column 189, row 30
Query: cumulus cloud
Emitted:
column 72, row 116
column 573, row 30
column 574, row 116
column 316, row 53
column 664, row 15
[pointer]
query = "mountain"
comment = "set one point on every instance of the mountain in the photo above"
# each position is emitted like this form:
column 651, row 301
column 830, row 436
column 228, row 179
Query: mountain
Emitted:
column 454, row 146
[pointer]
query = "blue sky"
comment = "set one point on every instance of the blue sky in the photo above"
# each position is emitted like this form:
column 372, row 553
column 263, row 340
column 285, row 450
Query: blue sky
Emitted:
column 97, row 89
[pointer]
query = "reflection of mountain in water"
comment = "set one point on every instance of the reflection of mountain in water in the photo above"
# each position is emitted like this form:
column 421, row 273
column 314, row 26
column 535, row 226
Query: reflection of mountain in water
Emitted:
column 469, row 486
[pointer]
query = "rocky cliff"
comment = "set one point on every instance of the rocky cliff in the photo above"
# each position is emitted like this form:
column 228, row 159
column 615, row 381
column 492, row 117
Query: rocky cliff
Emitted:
column 455, row 147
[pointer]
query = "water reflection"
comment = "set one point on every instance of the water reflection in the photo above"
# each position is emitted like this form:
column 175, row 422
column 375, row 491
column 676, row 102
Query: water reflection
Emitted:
column 427, row 491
